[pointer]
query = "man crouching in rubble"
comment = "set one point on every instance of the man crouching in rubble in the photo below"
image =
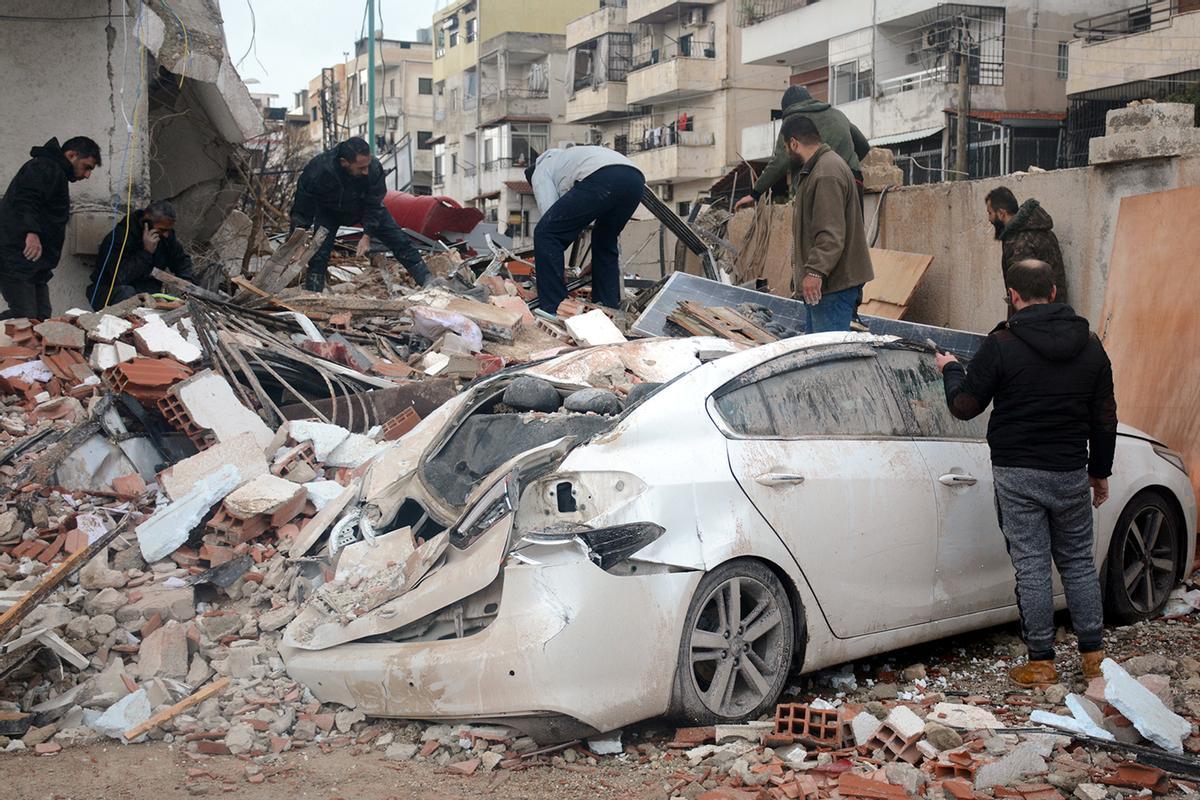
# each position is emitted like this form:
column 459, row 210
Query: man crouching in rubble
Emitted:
column 1052, row 433
column 141, row 243
column 831, row 259
column 574, row 187
column 33, row 222
column 345, row 186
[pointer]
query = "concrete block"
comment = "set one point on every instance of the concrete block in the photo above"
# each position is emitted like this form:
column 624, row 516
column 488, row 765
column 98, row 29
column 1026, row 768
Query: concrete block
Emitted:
column 261, row 495
column 354, row 451
column 108, row 328
column 593, row 328
column 60, row 334
column 864, row 726
column 107, row 356
column 211, row 403
column 324, row 437
column 1148, row 714
column 242, row 453
column 1022, row 761
column 156, row 338
column 171, row 603
column 905, row 723
column 168, row 528
column 957, row 715
column 128, row 712
column 164, row 653
column 1149, row 115
column 1151, row 143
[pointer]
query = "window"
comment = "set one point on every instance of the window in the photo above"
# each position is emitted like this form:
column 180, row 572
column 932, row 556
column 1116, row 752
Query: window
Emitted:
column 454, row 163
column 423, row 138
column 472, row 29
column 424, row 85
column 924, row 393
column 314, row 113
column 439, row 177
column 527, row 136
column 391, row 87
column 840, row 397
column 683, row 209
column 1064, row 55
column 849, row 83
column 685, row 45
column 454, row 38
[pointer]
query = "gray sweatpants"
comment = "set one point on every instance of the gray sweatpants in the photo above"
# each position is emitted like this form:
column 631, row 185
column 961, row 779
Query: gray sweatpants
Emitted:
column 1048, row 515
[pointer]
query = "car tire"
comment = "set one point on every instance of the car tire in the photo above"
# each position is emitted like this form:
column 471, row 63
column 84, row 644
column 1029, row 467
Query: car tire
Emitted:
column 1136, row 583
column 741, row 672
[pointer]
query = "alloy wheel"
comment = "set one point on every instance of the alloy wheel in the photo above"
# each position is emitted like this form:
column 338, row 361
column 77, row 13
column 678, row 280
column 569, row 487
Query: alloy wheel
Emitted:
column 1148, row 559
column 738, row 646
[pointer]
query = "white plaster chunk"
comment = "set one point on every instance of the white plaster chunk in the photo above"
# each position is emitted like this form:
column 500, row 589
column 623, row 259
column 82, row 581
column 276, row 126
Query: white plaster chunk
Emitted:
column 211, row 403
column 242, row 452
column 261, row 495
column 109, row 328
column 958, row 715
column 322, row 493
column 905, row 723
column 324, row 437
column 354, row 451
column 864, row 726
column 1139, row 705
column 128, row 712
column 363, row 559
column 168, row 528
column 593, row 328
column 1070, row 724
column 156, row 338
column 607, row 745
column 1023, row 760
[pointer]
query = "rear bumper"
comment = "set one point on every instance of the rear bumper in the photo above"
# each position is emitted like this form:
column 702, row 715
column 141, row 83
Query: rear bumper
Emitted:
column 569, row 640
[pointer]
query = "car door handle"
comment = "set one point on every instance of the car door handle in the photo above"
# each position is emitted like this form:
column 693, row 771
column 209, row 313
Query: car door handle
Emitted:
column 780, row 479
column 957, row 479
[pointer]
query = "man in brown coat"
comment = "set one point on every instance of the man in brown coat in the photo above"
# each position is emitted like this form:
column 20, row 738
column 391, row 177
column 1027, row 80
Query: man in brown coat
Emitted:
column 1026, row 233
column 831, row 257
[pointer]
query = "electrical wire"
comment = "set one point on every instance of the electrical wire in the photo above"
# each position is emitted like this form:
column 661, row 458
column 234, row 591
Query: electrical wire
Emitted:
column 253, row 46
column 187, row 53
column 129, row 189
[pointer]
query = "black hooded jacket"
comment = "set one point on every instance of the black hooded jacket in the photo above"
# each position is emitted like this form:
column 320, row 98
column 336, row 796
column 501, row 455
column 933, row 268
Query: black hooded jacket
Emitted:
column 134, row 263
column 326, row 190
column 1052, row 388
column 38, row 201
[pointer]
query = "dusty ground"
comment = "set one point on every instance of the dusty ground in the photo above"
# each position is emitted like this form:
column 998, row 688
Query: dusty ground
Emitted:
column 969, row 665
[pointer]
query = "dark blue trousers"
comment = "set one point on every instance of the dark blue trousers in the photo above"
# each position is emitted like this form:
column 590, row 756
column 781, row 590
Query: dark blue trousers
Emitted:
column 382, row 229
column 608, row 197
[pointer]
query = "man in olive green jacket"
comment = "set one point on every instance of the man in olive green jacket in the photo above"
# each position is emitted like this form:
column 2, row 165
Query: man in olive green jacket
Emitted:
column 842, row 136
column 831, row 259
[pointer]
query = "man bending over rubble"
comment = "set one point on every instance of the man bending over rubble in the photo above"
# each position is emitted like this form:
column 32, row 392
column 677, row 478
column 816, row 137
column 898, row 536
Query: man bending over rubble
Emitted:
column 1052, row 434
column 141, row 243
column 33, row 222
column 345, row 186
column 574, row 187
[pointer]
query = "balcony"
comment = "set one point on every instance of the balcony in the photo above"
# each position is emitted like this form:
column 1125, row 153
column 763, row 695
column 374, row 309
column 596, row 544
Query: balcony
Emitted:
column 516, row 98
column 676, row 71
column 1145, row 44
column 687, row 156
column 595, row 104
column 662, row 10
column 495, row 173
column 609, row 19
column 1139, row 19
column 758, row 141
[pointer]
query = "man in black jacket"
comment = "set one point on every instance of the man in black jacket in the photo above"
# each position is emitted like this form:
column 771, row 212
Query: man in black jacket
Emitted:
column 344, row 186
column 33, row 222
column 142, row 242
column 1052, row 434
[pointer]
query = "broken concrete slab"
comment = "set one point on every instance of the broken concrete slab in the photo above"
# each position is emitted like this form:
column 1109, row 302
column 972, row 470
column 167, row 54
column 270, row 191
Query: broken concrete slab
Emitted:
column 107, row 356
column 156, row 338
column 593, row 328
column 905, row 723
column 126, row 713
column 1022, row 761
column 324, row 437
column 107, row 328
column 864, row 726
column 264, row 494
column 354, row 451
column 211, row 403
column 957, row 715
column 1149, row 715
column 164, row 653
column 242, row 452
column 168, row 528
column 322, row 493
column 168, row 602
column 60, row 334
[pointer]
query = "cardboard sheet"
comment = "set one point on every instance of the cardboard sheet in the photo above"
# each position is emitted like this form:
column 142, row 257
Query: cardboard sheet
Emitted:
column 896, row 277
column 1151, row 321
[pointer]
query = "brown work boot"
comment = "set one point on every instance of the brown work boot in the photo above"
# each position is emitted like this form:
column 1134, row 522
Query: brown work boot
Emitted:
column 1034, row 674
column 1091, row 664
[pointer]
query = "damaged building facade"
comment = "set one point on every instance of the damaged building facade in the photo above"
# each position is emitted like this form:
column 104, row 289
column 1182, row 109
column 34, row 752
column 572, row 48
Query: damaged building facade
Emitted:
column 154, row 86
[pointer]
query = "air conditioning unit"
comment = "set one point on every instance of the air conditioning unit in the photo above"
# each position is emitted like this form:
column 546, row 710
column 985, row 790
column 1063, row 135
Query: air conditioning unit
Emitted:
column 694, row 18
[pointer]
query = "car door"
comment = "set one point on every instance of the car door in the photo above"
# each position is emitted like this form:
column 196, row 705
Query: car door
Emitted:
column 974, row 572
column 818, row 444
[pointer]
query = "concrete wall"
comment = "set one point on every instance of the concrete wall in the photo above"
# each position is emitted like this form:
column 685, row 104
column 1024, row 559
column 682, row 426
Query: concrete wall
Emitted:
column 963, row 288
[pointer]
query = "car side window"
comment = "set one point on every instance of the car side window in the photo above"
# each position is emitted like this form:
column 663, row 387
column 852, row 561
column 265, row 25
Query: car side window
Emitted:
column 922, row 390
column 844, row 397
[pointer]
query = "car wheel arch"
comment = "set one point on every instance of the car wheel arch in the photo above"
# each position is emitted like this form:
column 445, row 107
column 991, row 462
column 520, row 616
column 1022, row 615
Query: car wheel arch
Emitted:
column 1176, row 509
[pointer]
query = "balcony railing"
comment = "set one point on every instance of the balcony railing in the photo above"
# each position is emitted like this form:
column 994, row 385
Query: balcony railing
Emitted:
column 504, row 163
column 1138, row 19
column 468, row 172
column 685, row 48
column 656, row 137
column 491, row 91
column 911, row 81
column 614, row 3
column 752, row 12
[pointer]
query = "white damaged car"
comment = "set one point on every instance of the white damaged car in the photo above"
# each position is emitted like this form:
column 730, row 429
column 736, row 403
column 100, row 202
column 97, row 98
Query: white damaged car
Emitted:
column 749, row 513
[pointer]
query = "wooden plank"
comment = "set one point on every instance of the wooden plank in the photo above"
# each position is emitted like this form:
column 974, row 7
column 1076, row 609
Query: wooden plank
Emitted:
column 1151, row 320
column 172, row 711
column 55, row 577
column 897, row 275
column 182, row 286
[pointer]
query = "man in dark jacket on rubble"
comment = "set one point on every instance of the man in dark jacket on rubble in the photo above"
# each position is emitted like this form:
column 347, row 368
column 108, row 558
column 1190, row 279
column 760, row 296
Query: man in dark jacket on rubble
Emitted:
column 345, row 186
column 836, row 131
column 139, row 244
column 33, row 222
column 1026, row 232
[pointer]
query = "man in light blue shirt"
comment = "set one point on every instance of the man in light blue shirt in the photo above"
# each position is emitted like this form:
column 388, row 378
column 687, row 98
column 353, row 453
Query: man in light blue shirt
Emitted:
column 575, row 187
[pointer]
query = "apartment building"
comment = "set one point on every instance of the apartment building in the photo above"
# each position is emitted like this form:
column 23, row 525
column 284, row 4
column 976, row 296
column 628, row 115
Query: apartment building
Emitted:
column 893, row 67
column 1146, row 50
column 664, row 82
column 403, row 107
column 498, row 96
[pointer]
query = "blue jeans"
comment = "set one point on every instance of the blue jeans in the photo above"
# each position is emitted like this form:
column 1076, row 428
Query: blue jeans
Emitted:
column 834, row 312
column 608, row 197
